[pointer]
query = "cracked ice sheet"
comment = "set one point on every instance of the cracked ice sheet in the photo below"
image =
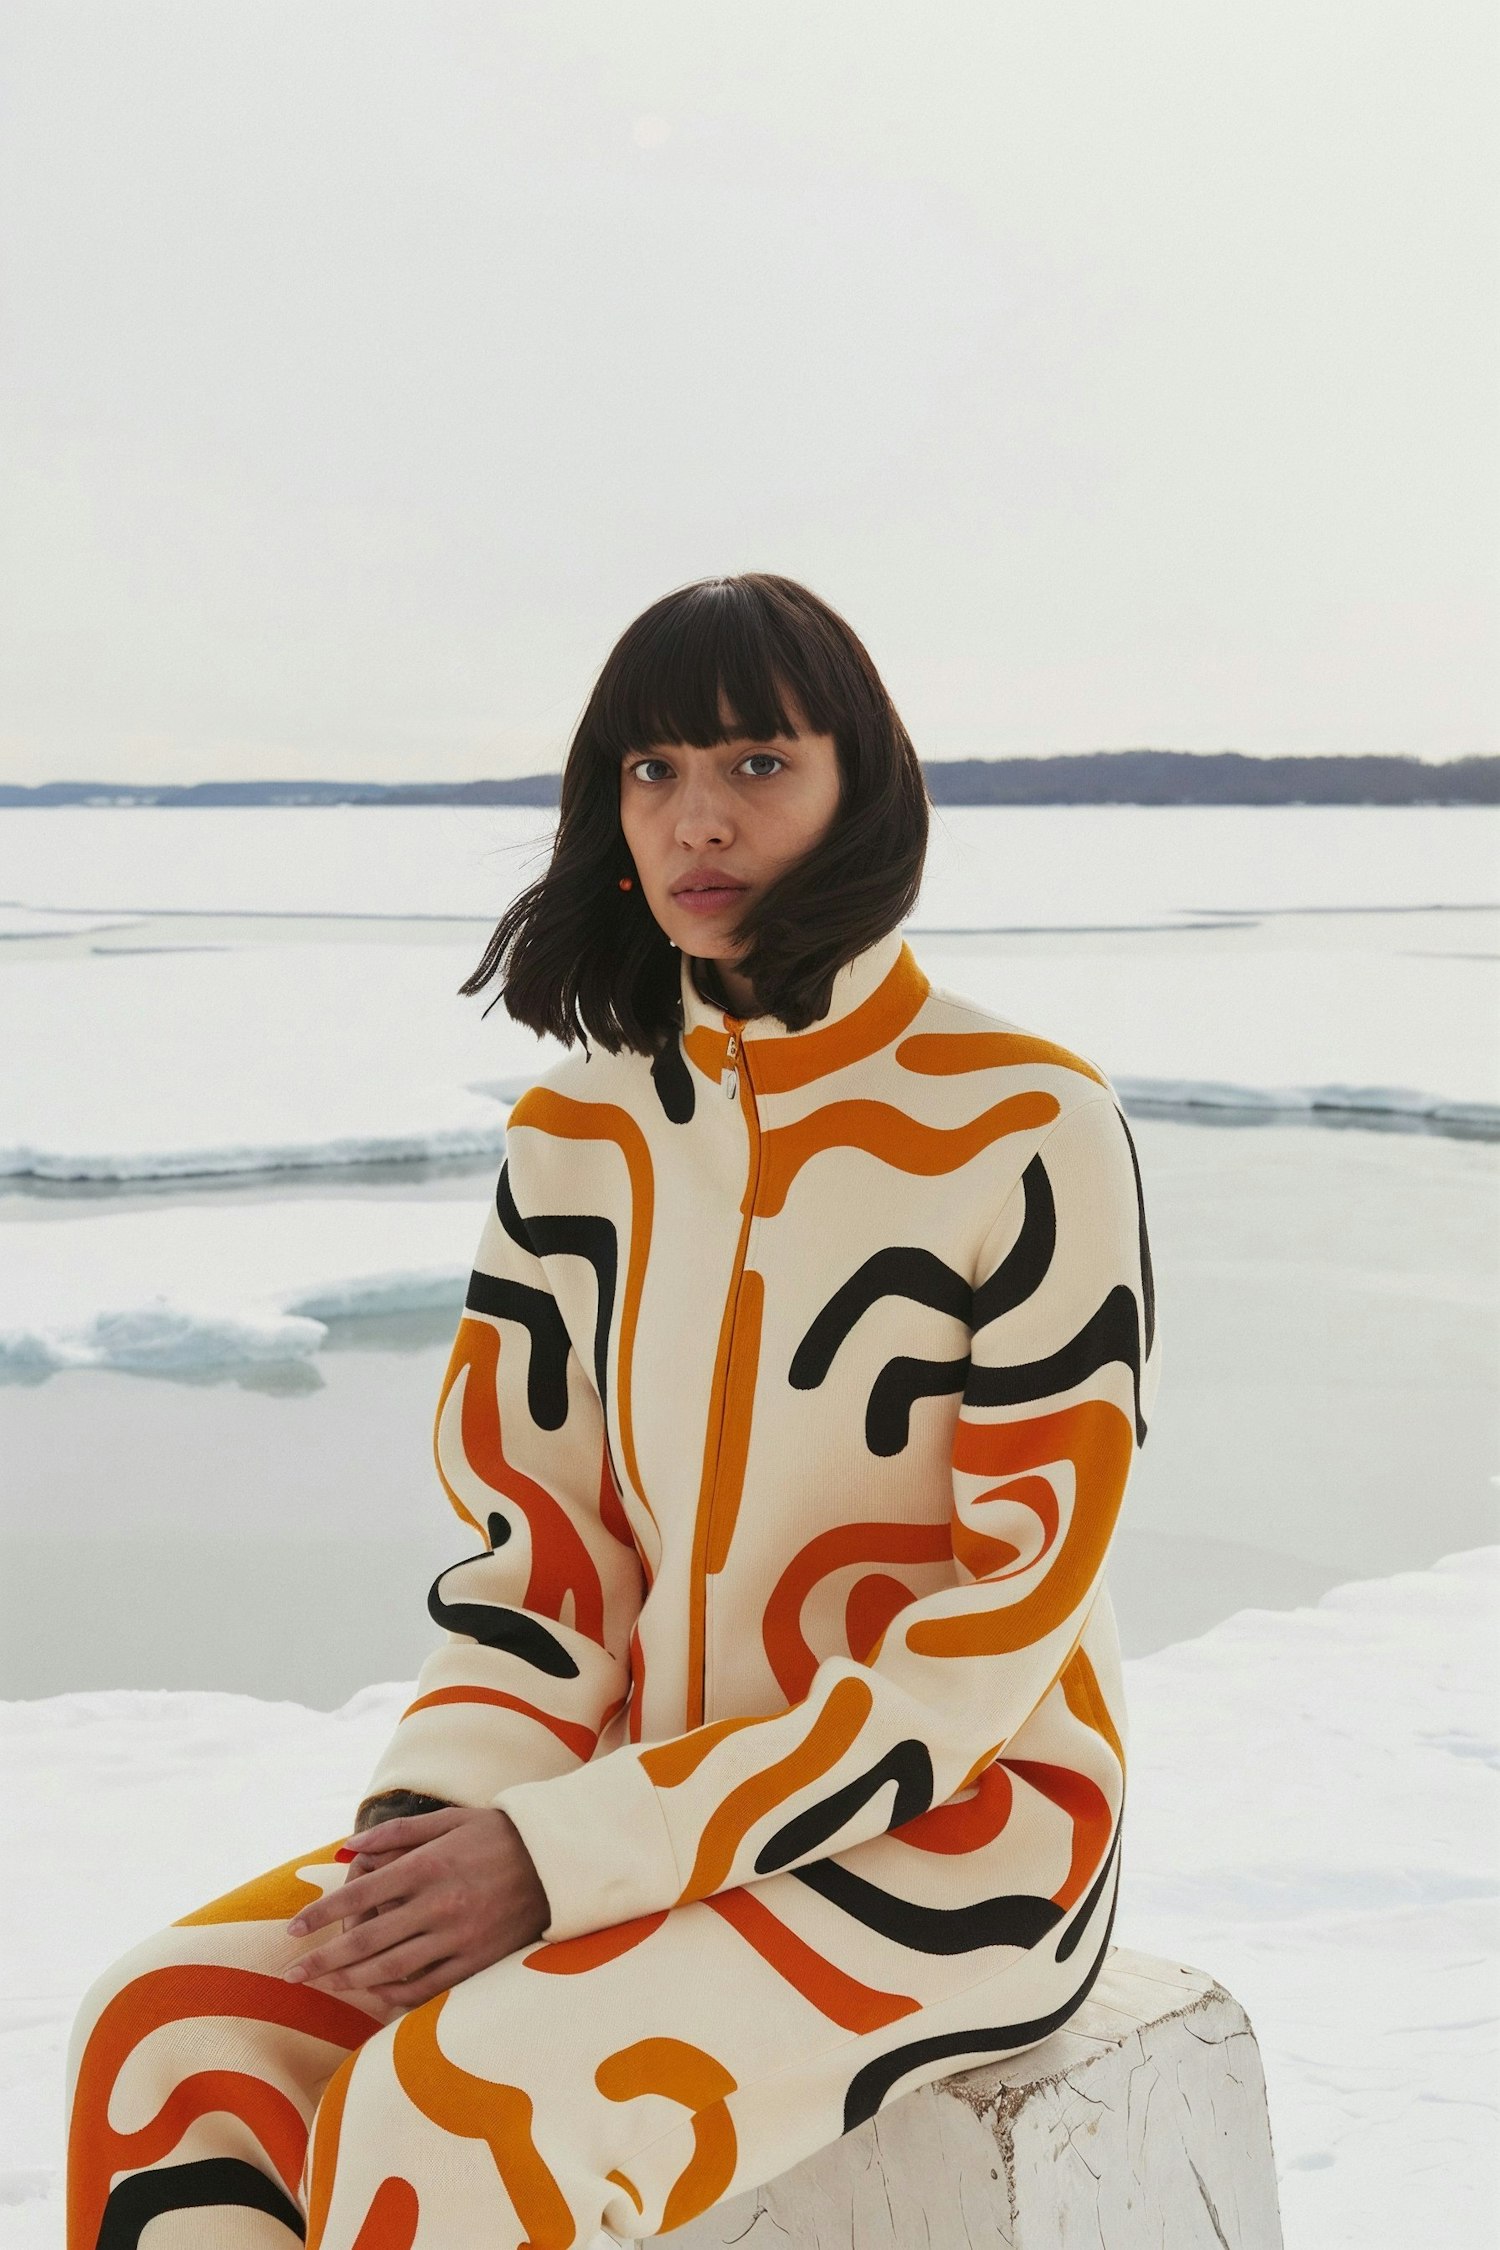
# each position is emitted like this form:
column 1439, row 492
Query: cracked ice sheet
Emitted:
column 172, row 1064
column 199, row 1286
column 1314, row 1803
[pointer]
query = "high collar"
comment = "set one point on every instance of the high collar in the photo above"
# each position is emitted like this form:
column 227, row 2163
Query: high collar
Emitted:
column 874, row 997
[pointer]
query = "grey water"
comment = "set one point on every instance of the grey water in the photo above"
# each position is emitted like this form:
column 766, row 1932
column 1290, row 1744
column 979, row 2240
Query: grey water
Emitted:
column 1327, row 1411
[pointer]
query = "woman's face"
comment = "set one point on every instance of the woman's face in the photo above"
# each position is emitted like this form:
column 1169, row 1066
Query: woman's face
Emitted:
column 731, row 816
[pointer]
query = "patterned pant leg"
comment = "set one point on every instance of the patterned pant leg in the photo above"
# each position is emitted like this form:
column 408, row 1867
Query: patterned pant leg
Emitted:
column 574, row 2096
column 611, row 2087
column 194, row 2071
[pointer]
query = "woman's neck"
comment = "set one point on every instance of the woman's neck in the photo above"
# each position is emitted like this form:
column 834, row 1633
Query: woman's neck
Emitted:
column 724, row 987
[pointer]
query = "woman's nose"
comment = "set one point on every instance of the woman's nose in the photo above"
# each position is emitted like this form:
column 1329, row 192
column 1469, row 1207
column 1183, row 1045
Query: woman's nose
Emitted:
column 704, row 814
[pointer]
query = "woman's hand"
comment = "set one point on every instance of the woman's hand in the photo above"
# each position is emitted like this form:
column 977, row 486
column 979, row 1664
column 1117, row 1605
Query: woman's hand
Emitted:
column 430, row 1900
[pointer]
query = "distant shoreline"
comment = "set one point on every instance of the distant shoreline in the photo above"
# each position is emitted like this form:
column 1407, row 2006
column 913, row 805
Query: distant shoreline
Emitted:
column 1090, row 777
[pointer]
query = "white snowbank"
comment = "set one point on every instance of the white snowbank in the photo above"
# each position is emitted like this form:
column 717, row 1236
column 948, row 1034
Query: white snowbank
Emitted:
column 1034, row 866
column 221, row 1284
column 163, row 1064
column 1312, row 1816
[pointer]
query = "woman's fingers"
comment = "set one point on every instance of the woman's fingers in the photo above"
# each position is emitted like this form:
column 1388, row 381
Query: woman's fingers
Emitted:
column 417, row 1955
column 374, row 1935
column 383, row 1886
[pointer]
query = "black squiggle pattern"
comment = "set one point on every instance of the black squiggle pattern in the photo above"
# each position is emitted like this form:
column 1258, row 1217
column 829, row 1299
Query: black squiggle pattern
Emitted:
column 209, row 2184
column 1067, row 1944
column 896, row 1389
column 508, row 1212
column 901, row 1271
column 924, row 1278
column 1019, row 1918
column 1110, row 1333
column 1020, row 1272
column 673, row 1080
column 869, row 2087
column 570, row 1235
column 513, row 1630
column 908, row 1764
column 536, row 1310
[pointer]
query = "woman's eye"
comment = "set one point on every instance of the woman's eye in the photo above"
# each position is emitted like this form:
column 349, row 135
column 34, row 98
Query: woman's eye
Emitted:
column 771, row 754
column 642, row 762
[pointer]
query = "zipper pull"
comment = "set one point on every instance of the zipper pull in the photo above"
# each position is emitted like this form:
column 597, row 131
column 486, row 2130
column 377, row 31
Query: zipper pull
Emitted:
column 729, row 1077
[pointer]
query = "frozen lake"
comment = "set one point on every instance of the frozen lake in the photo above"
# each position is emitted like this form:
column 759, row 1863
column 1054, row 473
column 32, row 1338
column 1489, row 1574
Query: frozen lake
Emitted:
column 247, row 1132
column 1331, row 1367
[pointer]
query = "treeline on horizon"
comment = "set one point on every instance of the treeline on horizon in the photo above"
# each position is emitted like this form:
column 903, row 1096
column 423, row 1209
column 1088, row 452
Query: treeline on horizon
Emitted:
column 1087, row 777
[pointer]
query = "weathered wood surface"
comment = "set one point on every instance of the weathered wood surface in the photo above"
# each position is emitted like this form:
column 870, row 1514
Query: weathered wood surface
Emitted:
column 1142, row 2122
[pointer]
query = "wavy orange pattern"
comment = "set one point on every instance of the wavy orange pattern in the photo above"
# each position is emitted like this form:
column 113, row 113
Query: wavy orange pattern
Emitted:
column 561, row 1565
column 686, row 2074
column 942, row 1053
column 1096, row 1437
column 890, row 1134
column 482, row 2109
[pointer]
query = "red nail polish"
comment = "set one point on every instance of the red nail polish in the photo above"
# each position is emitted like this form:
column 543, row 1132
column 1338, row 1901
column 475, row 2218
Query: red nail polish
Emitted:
column 347, row 1851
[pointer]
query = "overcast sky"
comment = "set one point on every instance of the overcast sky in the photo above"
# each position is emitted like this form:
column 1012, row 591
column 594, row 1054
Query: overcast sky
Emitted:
column 1123, row 372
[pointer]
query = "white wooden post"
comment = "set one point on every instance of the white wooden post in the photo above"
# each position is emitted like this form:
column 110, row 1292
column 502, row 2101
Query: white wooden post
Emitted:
column 1141, row 2125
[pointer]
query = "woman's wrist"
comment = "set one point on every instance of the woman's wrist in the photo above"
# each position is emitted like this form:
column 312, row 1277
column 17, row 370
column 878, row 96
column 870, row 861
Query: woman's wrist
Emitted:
column 396, row 1804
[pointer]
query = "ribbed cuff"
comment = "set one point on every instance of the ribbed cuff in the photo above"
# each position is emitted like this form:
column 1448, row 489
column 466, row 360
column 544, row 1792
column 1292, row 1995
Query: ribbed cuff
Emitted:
column 599, row 1842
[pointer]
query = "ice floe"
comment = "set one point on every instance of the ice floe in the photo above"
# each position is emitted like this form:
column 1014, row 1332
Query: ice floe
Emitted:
column 213, row 1285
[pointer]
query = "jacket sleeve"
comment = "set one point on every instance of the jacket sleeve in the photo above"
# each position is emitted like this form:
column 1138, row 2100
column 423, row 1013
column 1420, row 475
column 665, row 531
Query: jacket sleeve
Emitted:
column 1061, row 1373
column 536, row 1656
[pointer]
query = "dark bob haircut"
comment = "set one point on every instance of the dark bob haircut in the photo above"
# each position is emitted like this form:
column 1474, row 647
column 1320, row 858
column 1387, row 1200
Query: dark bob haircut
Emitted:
column 577, row 957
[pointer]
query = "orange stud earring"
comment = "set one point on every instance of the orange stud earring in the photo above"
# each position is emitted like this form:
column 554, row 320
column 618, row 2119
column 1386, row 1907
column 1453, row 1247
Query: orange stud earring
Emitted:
column 626, row 884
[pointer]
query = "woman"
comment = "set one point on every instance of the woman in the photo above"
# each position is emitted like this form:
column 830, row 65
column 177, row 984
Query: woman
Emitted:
column 772, row 1764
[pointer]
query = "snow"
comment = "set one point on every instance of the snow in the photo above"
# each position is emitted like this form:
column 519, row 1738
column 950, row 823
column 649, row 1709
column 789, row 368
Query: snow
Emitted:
column 157, row 1065
column 211, row 1286
column 1269, row 1027
column 1029, row 866
column 1313, row 1818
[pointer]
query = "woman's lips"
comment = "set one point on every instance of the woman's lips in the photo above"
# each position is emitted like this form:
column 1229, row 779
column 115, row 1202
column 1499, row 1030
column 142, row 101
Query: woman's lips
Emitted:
column 709, row 901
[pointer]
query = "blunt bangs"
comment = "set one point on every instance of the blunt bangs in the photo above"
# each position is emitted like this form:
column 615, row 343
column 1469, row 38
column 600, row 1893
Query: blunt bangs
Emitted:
column 578, row 958
column 691, row 657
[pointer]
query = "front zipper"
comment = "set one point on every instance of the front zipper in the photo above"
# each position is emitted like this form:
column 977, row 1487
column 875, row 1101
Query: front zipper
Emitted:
column 736, row 1062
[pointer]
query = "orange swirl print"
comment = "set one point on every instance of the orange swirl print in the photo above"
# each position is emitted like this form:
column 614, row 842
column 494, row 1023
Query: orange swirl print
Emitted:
column 985, row 1556
column 967, row 1826
column 831, row 1733
column 1085, row 1699
column 273, row 1897
column 889, row 1134
column 787, row 1650
column 1086, row 1806
column 1096, row 1437
column 780, row 1066
column 580, row 1740
column 834, row 1993
column 561, row 1564
column 482, row 2109
column 166, row 1996
column 942, row 1053
column 575, row 1956
column 700, row 2082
